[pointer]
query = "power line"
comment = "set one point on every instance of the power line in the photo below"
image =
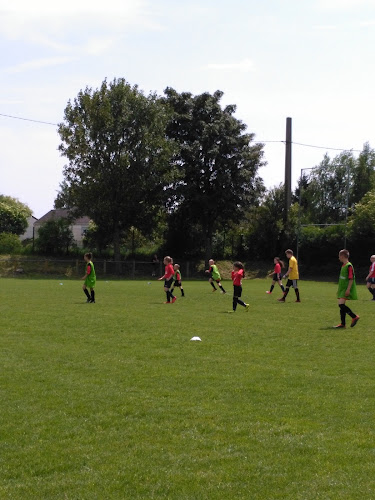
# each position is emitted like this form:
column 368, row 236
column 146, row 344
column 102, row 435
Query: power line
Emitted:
column 282, row 142
column 313, row 146
column 28, row 119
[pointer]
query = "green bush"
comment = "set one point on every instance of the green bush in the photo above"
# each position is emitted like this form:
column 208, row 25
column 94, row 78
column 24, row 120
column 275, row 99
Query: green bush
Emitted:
column 10, row 244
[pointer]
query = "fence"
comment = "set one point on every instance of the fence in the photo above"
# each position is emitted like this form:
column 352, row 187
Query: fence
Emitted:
column 129, row 269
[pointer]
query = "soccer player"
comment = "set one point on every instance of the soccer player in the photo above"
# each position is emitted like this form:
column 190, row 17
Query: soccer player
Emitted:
column 292, row 275
column 90, row 278
column 347, row 289
column 177, row 279
column 276, row 275
column 214, row 276
column 168, row 279
column 238, row 274
column 370, row 278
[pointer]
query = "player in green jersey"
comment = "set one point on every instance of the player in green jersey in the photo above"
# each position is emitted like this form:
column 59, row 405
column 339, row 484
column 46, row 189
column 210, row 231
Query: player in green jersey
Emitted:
column 90, row 278
column 214, row 276
column 347, row 289
column 177, row 280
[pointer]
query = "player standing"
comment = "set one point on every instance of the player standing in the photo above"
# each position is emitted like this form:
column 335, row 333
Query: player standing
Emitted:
column 177, row 280
column 293, row 276
column 90, row 278
column 238, row 274
column 168, row 279
column 347, row 289
column 370, row 278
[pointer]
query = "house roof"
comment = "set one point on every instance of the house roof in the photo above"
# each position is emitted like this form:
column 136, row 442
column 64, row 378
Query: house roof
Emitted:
column 62, row 213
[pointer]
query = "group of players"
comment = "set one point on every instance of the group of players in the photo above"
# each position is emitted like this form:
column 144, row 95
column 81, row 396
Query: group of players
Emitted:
column 347, row 289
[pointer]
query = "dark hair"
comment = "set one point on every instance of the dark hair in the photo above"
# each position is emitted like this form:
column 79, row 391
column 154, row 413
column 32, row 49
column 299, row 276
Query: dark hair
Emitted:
column 280, row 262
column 88, row 255
column 345, row 253
column 239, row 265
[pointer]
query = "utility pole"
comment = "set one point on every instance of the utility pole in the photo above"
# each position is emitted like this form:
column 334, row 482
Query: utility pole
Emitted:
column 288, row 167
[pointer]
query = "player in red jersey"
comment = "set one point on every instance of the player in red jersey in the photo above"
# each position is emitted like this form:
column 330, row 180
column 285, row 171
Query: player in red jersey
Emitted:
column 238, row 274
column 168, row 279
column 370, row 278
column 276, row 275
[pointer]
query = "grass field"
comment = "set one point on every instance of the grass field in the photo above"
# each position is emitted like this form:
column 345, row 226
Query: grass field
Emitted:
column 113, row 401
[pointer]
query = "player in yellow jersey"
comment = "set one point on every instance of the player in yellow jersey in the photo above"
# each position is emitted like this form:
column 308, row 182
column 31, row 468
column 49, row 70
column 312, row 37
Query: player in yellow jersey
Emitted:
column 293, row 276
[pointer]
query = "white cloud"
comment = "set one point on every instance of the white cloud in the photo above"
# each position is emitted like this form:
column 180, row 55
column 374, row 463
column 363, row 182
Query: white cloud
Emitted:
column 38, row 64
column 53, row 23
column 344, row 4
column 245, row 65
column 325, row 27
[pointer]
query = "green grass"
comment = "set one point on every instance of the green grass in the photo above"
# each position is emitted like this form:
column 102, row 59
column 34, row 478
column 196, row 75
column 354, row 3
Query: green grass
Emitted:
column 113, row 401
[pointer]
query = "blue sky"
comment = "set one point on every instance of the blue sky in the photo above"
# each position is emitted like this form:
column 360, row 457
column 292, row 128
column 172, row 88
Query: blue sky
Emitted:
column 312, row 60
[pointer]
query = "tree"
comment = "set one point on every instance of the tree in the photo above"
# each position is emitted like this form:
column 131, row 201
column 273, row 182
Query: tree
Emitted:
column 361, row 224
column 114, row 139
column 216, row 161
column 10, row 243
column 55, row 237
column 336, row 185
column 13, row 215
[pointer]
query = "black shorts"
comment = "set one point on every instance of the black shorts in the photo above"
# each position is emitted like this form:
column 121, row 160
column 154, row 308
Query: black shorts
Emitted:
column 168, row 283
column 293, row 283
column 371, row 281
column 276, row 277
column 177, row 283
column 237, row 291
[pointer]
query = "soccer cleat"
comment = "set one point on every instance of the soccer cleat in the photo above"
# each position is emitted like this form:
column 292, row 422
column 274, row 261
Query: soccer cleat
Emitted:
column 268, row 292
column 247, row 307
column 340, row 326
column 92, row 301
column 282, row 299
column 174, row 300
column 354, row 321
column 222, row 291
column 167, row 302
column 214, row 290
column 298, row 300
column 230, row 312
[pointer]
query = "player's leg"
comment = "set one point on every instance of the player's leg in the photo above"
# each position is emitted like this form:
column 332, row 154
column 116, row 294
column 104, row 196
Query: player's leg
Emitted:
column 271, row 287
column 281, row 285
column 220, row 286
column 92, row 298
column 289, row 283
column 211, row 281
column 296, row 290
column 86, row 292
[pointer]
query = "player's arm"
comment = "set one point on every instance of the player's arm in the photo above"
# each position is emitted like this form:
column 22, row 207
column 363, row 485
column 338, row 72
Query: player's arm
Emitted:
column 351, row 279
column 288, row 272
column 88, row 272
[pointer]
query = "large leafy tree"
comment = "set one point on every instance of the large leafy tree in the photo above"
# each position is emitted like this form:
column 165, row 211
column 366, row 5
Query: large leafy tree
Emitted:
column 13, row 215
column 55, row 237
column 118, row 170
column 336, row 184
column 217, row 162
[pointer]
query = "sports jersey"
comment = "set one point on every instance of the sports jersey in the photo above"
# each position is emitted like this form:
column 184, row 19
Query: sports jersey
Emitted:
column 237, row 277
column 346, row 274
column 177, row 275
column 215, row 272
column 277, row 269
column 372, row 270
column 169, row 272
column 293, row 265
column 91, row 278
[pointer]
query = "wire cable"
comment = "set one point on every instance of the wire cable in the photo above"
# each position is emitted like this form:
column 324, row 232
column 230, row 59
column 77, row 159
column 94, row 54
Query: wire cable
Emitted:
column 28, row 119
column 258, row 141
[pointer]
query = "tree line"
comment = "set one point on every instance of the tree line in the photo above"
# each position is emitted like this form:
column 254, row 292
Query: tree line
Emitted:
column 181, row 170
